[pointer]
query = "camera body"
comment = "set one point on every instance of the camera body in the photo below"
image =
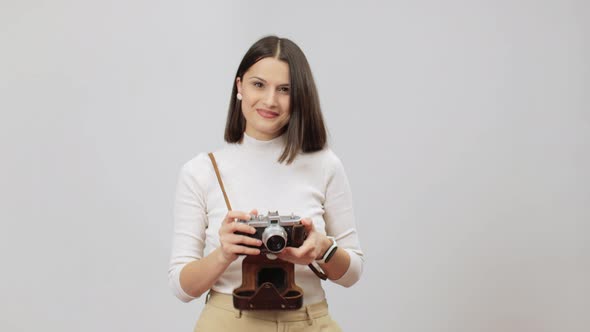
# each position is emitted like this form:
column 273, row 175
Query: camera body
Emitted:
column 276, row 232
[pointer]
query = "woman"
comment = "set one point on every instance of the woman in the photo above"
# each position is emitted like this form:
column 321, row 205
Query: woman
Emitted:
column 276, row 159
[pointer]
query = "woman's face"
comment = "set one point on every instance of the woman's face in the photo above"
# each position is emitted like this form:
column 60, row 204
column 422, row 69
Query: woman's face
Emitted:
column 265, row 91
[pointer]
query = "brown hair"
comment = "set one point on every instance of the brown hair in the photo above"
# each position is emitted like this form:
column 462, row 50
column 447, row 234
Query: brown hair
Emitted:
column 305, row 131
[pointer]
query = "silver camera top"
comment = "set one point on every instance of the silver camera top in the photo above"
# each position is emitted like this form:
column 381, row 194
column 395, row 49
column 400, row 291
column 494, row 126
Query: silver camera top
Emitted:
column 272, row 218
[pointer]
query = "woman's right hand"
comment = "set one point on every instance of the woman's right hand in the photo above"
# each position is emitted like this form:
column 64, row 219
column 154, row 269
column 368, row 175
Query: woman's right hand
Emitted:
column 233, row 245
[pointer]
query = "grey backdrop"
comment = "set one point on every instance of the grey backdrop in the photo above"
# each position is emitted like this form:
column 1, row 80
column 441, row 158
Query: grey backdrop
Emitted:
column 463, row 126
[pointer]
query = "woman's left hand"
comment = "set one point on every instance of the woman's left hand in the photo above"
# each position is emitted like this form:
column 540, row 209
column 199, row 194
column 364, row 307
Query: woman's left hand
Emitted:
column 312, row 248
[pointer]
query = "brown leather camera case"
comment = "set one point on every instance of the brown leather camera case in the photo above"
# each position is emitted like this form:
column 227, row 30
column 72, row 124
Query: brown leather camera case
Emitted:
column 267, row 285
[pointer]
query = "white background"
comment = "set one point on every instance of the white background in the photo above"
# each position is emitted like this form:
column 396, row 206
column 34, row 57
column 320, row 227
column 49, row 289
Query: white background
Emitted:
column 464, row 128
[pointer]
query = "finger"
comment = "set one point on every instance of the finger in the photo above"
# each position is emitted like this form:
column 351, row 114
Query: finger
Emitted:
column 286, row 254
column 302, row 251
column 289, row 257
column 233, row 215
column 307, row 250
column 238, row 250
column 242, row 239
column 241, row 227
column 286, row 251
column 308, row 224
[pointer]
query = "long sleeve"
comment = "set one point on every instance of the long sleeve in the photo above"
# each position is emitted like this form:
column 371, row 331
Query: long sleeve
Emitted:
column 190, row 222
column 340, row 221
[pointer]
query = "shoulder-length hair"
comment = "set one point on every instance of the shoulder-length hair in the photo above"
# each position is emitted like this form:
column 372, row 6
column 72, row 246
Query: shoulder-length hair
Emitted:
column 305, row 131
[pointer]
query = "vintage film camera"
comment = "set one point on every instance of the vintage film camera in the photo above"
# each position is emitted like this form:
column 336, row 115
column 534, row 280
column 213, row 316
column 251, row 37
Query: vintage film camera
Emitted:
column 269, row 283
column 276, row 232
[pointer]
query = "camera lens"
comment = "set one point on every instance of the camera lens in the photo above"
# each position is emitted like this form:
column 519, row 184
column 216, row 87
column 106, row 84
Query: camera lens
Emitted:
column 275, row 243
column 274, row 238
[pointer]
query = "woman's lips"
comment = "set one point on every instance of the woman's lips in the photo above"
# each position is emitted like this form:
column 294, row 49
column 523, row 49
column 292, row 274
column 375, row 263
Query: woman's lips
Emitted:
column 266, row 114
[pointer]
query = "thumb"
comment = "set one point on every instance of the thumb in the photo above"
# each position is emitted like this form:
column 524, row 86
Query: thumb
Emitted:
column 254, row 212
column 308, row 224
column 286, row 253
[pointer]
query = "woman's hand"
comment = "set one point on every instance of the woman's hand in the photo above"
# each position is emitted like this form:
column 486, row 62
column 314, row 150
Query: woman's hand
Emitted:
column 232, row 245
column 312, row 248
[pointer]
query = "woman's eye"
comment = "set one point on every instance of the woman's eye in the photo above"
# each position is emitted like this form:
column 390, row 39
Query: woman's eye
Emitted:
column 284, row 89
column 258, row 84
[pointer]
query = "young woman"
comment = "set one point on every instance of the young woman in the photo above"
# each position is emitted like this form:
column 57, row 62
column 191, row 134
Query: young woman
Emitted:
column 276, row 159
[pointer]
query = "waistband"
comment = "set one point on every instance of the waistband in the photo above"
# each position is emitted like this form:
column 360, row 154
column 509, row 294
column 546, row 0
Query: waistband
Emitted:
column 307, row 312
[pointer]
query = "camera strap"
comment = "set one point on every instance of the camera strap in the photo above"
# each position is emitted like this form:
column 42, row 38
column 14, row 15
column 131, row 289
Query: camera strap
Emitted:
column 212, row 157
column 219, row 180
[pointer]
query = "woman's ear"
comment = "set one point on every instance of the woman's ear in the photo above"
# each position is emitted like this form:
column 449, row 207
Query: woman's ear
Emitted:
column 239, row 84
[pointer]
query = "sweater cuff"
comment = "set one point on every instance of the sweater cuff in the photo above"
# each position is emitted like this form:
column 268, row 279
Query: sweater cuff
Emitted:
column 355, row 269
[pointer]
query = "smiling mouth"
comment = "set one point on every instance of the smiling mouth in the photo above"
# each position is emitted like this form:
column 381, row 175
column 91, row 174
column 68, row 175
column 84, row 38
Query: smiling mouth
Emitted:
column 267, row 114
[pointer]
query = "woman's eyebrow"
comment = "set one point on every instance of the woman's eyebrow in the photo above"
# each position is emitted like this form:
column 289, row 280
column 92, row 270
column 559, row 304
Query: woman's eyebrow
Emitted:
column 263, row 80
column 257, row 78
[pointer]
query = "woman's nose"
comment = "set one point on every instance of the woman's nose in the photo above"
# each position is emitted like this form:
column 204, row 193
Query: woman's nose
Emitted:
column 270, row 98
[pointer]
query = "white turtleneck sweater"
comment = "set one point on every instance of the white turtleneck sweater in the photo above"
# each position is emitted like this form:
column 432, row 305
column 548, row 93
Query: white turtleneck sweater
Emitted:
column 314, row 186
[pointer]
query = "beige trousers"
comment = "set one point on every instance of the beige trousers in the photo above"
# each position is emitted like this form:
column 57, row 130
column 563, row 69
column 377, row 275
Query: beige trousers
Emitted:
column 219, row 314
